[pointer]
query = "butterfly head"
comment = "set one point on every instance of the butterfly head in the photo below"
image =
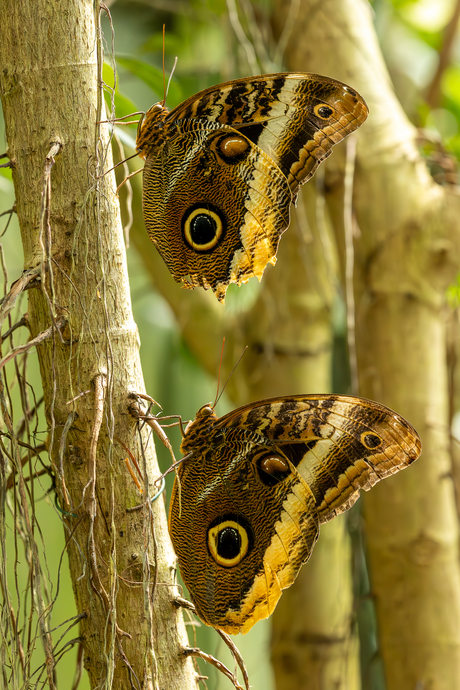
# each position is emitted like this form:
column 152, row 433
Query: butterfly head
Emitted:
column 199, row 429
column 151, row 129
column 206, row 411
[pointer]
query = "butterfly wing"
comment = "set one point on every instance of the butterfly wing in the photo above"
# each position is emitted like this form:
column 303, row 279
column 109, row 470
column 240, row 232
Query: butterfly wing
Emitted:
column 260, row 481
column 223, row 167
column 296, row 118
column 338, row 444
column 227, row 515
column 214, row 205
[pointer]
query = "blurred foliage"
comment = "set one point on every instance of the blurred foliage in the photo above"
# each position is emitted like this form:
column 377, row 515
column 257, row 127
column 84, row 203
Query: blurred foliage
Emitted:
column 412, row 35
column 453, row 294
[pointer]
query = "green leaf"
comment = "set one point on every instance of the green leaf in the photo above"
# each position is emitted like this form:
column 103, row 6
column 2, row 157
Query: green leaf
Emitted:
column 453, row 293
column 154, row 44
column 451, row 83
column 152, row 76
column 123, row 105
column 6, row 182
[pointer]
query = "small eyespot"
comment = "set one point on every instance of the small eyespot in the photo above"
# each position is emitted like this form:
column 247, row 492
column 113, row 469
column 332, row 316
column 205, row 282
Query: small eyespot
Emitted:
column 228, row 542
column 202, row 227
column 370, row 440
column 323, row 111
column 349, row 90
column 272, row 469
column 233, row 146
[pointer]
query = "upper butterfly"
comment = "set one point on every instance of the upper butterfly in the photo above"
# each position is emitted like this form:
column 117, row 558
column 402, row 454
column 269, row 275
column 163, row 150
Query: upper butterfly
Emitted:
column 222, row 169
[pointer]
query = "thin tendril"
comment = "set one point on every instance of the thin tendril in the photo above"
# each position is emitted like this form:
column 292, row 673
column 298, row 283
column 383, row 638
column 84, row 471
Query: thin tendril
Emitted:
column 230, row 376
column 171, row 75
column 164, row 80
column 220, row 369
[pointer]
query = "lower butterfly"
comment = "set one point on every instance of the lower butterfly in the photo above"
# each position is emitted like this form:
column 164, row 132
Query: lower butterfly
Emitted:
column 248, row 502
column 222, row 169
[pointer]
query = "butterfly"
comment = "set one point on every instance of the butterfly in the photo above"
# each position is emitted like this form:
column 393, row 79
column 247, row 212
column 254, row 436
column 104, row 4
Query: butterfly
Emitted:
column 222, row 169
column 248, row 501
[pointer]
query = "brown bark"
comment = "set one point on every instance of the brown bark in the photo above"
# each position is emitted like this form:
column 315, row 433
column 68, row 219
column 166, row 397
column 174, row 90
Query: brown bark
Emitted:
column 121, row 562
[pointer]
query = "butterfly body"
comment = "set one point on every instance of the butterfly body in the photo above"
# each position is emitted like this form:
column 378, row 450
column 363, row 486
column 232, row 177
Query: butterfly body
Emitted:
column 246, row 510
column 223, row 168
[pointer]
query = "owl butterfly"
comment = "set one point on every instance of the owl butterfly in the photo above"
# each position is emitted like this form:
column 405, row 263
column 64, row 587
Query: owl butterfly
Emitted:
column 222, row 169
column 258, row 484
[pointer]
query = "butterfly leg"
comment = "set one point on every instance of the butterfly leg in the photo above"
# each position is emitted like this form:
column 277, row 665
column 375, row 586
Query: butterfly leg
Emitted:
column 138, row 413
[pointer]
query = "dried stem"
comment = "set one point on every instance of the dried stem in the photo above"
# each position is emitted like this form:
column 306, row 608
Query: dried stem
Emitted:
column 138, row 413
column 349, row 261
column 8, row 302
column 21, row 349
column 236, row 655
column 195, row 651
column 39, row 602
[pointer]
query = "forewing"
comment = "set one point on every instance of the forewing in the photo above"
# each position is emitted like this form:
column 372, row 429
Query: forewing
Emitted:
column 338, row 444
column 295, row 118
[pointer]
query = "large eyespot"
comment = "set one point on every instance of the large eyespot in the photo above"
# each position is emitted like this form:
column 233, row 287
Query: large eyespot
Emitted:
column 228, row 541
column 370, row 440
column 272, row 468
column 323, row 111
column 232, row 147
column 203, row 227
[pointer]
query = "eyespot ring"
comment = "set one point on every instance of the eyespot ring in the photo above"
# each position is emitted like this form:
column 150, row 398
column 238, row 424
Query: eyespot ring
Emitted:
column 203, row 227
column 323, row 111
column 228, row 542
column 370, row 440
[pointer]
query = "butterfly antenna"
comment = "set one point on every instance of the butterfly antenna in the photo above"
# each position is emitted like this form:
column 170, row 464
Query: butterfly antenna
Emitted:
column 218, row 375
column 164, row 78
column 230, row 376
column 171, row 75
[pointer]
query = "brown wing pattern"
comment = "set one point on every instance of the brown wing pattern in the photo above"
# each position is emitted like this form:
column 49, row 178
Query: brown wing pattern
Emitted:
column 249, row 198
column 259, row 483
column 327, row 436
column 281, row 114
column 223, row 167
